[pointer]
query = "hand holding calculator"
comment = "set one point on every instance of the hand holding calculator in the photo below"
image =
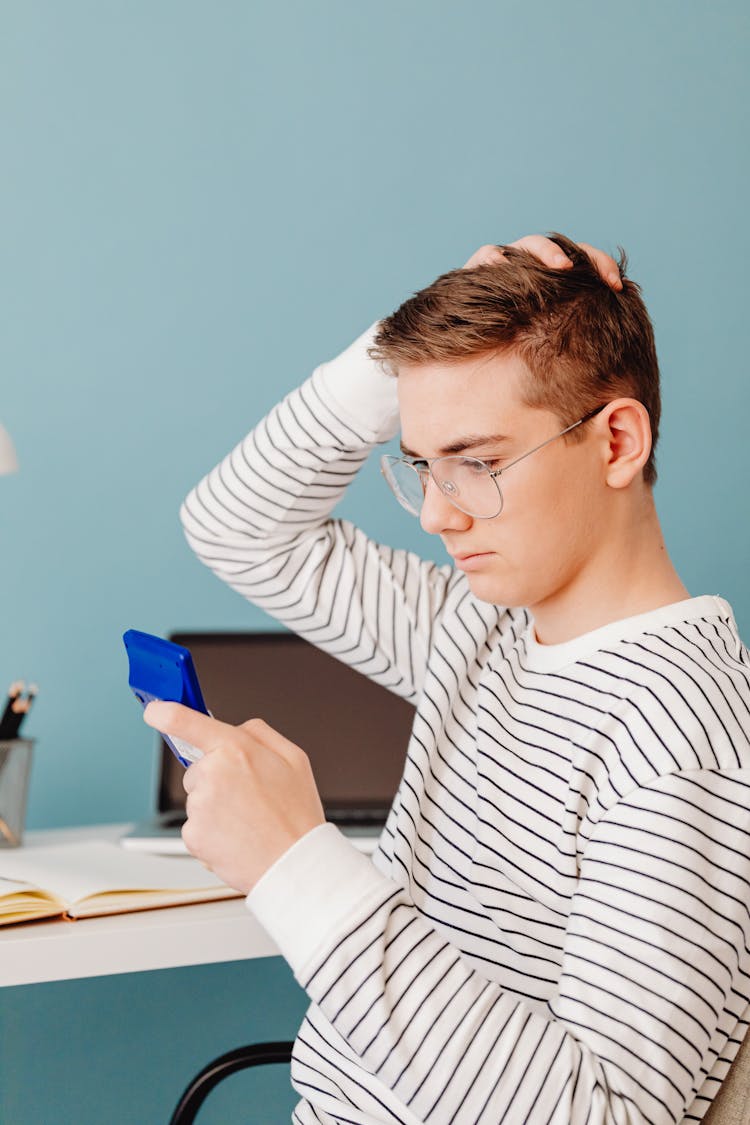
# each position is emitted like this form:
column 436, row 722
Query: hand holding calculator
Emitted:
column 162, row 670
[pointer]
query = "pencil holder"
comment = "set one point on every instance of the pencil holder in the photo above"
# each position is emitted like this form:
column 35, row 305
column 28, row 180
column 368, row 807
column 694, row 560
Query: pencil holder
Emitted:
column 15, row 771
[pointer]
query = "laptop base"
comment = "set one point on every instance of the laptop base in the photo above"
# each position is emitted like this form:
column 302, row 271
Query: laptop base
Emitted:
column 161, row 836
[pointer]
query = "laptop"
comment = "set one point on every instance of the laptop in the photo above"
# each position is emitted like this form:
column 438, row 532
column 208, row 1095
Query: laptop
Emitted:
column 354, row 731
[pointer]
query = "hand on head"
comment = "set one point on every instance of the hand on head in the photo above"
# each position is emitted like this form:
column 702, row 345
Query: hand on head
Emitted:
column 551, row 254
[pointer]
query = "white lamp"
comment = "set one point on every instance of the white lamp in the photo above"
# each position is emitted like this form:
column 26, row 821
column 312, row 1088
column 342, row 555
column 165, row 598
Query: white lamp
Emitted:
column 8, row 459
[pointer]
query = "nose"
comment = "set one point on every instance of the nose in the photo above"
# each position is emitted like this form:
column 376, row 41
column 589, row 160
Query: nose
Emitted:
column 438, row 514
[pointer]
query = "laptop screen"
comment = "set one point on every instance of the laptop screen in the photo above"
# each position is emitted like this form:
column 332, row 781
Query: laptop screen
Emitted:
column 354, row 731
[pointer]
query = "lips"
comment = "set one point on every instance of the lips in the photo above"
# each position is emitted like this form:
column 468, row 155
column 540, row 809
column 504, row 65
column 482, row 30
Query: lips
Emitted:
column 472, row 562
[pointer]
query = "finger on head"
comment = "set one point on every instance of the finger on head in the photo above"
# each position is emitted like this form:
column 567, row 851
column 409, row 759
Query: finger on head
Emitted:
column 605, row 264
column 485, row 256
column 545, row 249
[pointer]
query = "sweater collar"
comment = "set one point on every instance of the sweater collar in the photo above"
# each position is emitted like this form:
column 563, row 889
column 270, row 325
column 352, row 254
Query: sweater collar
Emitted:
column 553, row 658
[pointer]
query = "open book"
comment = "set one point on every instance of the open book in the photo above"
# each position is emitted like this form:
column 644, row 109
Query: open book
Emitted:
column 92, row 877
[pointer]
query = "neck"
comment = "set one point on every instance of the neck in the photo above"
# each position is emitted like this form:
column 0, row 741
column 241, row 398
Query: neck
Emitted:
column 630, row 573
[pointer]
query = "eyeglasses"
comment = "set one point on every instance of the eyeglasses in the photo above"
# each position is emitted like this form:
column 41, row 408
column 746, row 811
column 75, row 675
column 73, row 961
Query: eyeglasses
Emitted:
column 469, row 484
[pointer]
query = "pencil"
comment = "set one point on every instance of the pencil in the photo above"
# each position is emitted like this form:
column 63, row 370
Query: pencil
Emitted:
column 7, row 722
column 8, row 833
column 31, row 696
column 19, row 711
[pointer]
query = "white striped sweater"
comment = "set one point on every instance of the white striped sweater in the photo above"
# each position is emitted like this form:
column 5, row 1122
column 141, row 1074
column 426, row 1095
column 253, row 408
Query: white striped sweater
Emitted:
column 554, row 926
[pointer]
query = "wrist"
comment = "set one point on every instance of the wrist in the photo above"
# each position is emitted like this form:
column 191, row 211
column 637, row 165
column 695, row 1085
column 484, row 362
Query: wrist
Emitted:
column 360, row 391
column 311, row 891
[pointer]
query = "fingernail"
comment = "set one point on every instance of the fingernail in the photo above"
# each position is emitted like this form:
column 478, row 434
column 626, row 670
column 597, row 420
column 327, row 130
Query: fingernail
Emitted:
column 561, row 260
column 614, row 279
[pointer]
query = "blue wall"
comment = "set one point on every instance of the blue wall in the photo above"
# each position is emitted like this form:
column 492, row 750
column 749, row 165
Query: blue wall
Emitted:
column 203, row 201
column 122, row 1049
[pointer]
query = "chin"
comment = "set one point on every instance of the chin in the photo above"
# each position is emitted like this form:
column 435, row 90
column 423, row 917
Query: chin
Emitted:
column 489, row 588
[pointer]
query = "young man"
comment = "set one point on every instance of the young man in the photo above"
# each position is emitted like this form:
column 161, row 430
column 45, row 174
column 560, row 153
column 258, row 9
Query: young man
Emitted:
column 554, row 926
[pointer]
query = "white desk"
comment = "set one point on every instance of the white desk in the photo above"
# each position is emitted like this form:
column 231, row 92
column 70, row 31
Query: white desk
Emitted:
column 33, row 952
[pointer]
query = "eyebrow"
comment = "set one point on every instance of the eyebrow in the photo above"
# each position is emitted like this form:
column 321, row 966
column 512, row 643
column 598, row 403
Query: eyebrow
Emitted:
column 471, row 441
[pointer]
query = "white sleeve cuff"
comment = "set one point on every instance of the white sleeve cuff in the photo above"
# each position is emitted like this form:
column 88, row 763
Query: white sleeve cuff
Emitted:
column 312, row 891
column 366, row 396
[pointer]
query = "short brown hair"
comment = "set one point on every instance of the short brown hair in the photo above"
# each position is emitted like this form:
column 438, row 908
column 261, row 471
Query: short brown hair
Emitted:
column 582, row 342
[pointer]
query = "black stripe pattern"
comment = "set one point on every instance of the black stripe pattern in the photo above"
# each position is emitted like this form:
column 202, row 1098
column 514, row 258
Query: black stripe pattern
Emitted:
column 564, row 935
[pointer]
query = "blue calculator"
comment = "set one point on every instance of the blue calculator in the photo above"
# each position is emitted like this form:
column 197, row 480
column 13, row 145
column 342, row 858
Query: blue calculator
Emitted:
column 160, row 669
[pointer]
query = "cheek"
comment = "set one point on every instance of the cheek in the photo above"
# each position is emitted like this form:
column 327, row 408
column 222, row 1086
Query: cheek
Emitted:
column 532, row 510
column 545, row 523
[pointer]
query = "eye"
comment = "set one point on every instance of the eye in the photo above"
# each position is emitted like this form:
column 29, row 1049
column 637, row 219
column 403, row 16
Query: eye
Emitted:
column 478, row 464
column 473, row 465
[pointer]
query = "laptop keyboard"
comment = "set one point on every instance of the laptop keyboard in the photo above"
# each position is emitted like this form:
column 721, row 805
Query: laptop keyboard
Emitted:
column 364, row 818
column 172, row 820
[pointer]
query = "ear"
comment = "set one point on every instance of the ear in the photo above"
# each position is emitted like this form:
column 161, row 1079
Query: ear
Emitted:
column 627, row 430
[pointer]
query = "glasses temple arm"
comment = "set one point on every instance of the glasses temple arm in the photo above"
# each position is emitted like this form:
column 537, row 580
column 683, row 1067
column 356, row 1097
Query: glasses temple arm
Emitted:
column 553, row 438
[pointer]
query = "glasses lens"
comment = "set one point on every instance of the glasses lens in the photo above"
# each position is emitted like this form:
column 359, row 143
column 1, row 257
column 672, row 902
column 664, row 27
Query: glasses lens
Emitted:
column 405, row 483
column 465, row 481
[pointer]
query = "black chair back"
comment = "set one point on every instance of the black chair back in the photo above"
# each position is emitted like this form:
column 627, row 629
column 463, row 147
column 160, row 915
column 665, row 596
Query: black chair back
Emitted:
column 255, row 1054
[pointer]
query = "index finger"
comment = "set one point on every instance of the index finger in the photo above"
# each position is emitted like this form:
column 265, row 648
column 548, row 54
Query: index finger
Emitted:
column 202, row 731
column 605, row 264
column 551, row 254
column 542, row 247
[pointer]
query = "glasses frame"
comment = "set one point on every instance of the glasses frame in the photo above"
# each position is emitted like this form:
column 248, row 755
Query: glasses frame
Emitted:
column 428, row 462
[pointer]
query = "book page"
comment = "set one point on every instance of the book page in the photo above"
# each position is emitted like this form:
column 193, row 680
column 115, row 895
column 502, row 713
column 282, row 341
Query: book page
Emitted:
column 73, row 872
column 21, row 903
